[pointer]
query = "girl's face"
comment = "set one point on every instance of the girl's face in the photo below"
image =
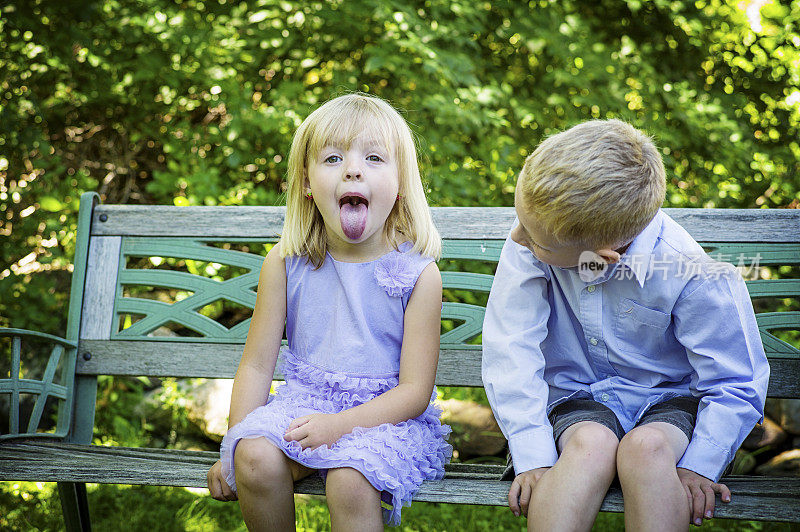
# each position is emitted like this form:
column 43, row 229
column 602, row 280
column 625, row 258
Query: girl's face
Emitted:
column 354, row 189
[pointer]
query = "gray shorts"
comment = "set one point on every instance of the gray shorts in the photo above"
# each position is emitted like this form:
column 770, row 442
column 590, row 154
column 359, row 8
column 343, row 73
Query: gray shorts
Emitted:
column 678, row 411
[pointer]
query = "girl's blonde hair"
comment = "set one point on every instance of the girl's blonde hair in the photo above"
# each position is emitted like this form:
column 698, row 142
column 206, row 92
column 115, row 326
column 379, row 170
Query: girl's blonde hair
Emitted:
column 596, row 184
column 339, row 122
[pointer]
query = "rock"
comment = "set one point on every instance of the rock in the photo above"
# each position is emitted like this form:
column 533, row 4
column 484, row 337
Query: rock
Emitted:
column 205, row 406
column 744, row 463
column 786, row 464
column 769, row 433
column 785, row 412
column 208, row 405
column 475, row 431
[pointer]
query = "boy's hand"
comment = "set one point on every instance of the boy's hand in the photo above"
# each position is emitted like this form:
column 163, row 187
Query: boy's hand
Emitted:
column 519, row 496
column 217, row 485
column 314, row 430
column 700, row 492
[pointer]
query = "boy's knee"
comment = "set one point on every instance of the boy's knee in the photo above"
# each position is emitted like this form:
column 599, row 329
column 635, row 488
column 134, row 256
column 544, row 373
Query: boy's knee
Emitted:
column 593, row 439
column 643, row 445
column 259, row 464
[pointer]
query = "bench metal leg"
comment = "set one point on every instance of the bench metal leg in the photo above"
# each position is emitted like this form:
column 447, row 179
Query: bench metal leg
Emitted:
column 74, row 506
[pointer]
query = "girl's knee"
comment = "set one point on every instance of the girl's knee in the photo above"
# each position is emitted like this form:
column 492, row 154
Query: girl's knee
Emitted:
column 346, row 486
column 260, row 464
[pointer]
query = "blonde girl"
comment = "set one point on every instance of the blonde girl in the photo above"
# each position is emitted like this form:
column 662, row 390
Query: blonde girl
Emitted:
column 354, row 282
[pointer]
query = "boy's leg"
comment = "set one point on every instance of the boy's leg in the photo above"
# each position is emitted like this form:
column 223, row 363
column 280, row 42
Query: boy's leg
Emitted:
column 646, row 463
column 353, row 502
column 264, row 484
column 568, row 496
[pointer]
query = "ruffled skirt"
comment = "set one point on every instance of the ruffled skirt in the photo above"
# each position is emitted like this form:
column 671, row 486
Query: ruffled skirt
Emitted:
column 394, row 458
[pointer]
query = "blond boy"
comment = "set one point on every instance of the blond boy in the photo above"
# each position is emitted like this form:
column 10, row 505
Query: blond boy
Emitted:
column 613, row 345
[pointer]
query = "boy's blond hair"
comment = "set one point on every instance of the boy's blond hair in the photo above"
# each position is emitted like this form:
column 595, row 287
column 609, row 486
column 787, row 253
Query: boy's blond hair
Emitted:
column 596, row 184
column 340, row 121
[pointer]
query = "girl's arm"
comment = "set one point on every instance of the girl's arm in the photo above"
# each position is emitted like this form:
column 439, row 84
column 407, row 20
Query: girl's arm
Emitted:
column 254, row 376
column 418, row 360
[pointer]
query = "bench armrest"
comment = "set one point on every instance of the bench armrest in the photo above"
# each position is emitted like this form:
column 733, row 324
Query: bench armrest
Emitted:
column 14, row 383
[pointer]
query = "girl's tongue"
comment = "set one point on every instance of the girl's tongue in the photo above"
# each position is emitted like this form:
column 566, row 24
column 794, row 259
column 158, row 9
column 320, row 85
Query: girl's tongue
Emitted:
column 353, row 219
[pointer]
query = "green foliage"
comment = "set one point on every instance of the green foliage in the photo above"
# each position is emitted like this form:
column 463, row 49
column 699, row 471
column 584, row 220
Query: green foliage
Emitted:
column 194, row 102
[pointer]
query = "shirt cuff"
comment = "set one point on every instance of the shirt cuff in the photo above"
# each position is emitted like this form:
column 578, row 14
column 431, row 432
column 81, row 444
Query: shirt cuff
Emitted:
column 705, row 457
column 532, row 449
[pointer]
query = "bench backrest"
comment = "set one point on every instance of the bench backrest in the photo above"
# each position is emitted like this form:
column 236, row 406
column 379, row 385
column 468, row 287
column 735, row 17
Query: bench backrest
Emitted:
column 158, row 277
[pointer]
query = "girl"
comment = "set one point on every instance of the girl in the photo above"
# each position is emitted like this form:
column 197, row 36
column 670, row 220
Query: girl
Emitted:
column 354, row 282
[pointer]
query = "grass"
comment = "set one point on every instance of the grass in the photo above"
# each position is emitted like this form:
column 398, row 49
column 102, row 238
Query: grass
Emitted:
column 29, row 506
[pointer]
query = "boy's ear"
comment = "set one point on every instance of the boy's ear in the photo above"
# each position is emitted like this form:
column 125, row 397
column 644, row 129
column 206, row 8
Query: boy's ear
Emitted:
column 609, row 255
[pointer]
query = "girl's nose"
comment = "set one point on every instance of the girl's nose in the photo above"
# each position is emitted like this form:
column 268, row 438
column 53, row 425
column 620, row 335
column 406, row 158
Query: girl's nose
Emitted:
column 353, row 173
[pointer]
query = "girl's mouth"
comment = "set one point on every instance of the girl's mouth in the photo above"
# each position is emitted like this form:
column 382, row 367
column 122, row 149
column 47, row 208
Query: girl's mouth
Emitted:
column 353, row 209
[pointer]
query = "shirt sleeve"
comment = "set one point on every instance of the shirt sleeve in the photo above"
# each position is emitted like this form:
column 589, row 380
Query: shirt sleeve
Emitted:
column 514, row 326
column 715, row 322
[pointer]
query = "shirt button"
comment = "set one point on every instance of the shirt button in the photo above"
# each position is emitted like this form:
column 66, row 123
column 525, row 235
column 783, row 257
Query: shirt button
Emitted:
column 590, row 289
column 593, row 341
column 605, row 397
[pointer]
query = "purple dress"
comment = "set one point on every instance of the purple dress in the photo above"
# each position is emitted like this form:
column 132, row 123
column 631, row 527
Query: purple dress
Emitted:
column 344, row 325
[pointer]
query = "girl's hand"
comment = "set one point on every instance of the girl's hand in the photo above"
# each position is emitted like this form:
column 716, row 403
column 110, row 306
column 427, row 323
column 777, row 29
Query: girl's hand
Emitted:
column 217, row 485
column 314, row 430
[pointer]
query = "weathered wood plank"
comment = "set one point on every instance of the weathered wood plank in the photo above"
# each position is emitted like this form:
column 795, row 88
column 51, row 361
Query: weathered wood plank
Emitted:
column 706, row 225
column 457, row 367
column 765, row 498
column 101, row 286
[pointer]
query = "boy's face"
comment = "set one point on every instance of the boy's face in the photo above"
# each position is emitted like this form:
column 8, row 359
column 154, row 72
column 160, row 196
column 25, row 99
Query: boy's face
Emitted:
column 529, row 233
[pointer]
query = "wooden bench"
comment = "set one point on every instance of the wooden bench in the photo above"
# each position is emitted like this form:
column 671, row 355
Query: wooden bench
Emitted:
column 110, row 332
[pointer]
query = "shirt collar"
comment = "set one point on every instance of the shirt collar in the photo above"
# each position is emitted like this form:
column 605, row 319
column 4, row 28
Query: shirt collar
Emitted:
column 638, row 255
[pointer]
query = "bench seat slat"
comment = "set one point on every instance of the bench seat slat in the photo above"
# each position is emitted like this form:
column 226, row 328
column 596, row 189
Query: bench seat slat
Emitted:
column 463, row 483
column 459, row 366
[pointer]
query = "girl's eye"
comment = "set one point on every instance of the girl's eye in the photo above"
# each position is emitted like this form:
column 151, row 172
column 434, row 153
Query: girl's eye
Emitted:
column 332, row 159
column 374, row 158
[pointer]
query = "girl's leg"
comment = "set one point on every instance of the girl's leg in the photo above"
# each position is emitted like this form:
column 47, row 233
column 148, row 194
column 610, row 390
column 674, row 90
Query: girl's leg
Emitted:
column 264, row 484
column 569, row 495
column 353, row 503
column 646, row 462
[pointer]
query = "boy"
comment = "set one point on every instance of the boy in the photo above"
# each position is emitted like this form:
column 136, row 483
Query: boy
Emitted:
column 612, row 344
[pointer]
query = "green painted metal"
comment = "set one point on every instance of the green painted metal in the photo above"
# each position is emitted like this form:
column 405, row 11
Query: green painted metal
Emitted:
column 779, row 320
column 84, row 388
column 467, row 281
column 43, row 389
column 240, row 289
column 487, row 250
column 754, row 253
column 472, row 315
column 10, row 331
column 773, row 288
column 775, row 347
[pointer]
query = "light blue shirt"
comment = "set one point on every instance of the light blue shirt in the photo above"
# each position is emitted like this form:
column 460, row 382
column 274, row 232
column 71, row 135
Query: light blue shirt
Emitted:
column 667, row 320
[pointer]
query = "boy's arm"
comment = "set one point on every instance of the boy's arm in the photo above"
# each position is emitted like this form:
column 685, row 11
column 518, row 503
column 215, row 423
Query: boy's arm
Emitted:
column 514, row 326
column 714, row 320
